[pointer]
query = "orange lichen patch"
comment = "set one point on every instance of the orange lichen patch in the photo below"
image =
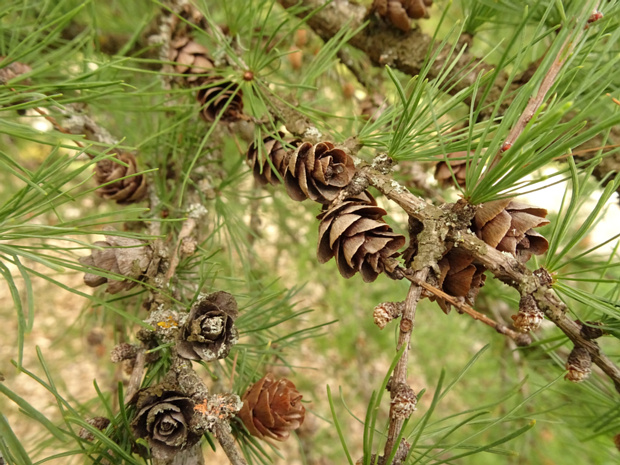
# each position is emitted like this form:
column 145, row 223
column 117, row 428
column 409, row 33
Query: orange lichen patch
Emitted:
column 202, row 407
column 169, row 323
column 219, row 406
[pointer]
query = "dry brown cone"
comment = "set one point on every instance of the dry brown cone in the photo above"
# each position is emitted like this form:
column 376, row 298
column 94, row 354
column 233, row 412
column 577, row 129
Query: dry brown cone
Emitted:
column 191, row 60
column 120, row 255
column 272, row 160
column 508, row 226
column 458, row 163
column 459, row 277
column 401, row 12
column 272, row 409
column 318, row 172
column 219, row 98
column 12, row 70
column 354, row 232
column 110, row 172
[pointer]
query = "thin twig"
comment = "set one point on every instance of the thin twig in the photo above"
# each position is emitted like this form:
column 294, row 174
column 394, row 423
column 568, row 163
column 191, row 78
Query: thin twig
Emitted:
column 400, row 371
column 520, row 338
column 505, row 267
column 186, row 231
column 57, row 126
column 136, row 376
column 227, row 441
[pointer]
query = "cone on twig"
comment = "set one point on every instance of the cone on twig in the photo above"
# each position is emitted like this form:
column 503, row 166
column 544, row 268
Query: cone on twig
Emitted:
column 272, row 409
column 355, row 233
column 120, row 255
column 592, row 330
column 508, row 226
column 274, row 159
column 220, row 98
column 401, row 12
column 457, row 165
column 318, row 172
column 459, row 277
column 122, row 184
column 164, row 418
column 529, row 317
column 209, row 332
column 191, row 60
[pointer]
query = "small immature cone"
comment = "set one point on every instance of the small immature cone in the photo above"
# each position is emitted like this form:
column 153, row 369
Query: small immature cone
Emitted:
column 100, row 423
column 458, row 163
column 272, row 409
column 318, row 172
column 165, row 418
column 123, row 351
column 209, row 332
column 386, row 312
column 579, row 365
column 592, row 330
column 508, row 226
column 272, row 160
column 120, row 255
column 355, row 234
column 217, row 97
column 123, row 191
column 191, row 60
column 617, row 441
column 403, row 402
column 529, row 317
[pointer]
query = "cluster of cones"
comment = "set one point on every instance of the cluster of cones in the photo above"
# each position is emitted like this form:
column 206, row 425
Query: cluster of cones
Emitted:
column 218, row 99
column 193, row 67
column 351, row 230
column 505, row 225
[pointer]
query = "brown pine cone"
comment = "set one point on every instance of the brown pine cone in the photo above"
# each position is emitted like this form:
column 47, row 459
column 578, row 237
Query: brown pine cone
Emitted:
column 272, row 409
column 507, row 226
column 12, row 70
column 318, row 172
column 218, row 97
column 459, row 277
column 165, row 419
column 209, row 332
column 354, row 232
column 191, row 59
column 400, row 12
column 458, row 163
column 272, row 160
column 109, row 172
column 120, row 255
